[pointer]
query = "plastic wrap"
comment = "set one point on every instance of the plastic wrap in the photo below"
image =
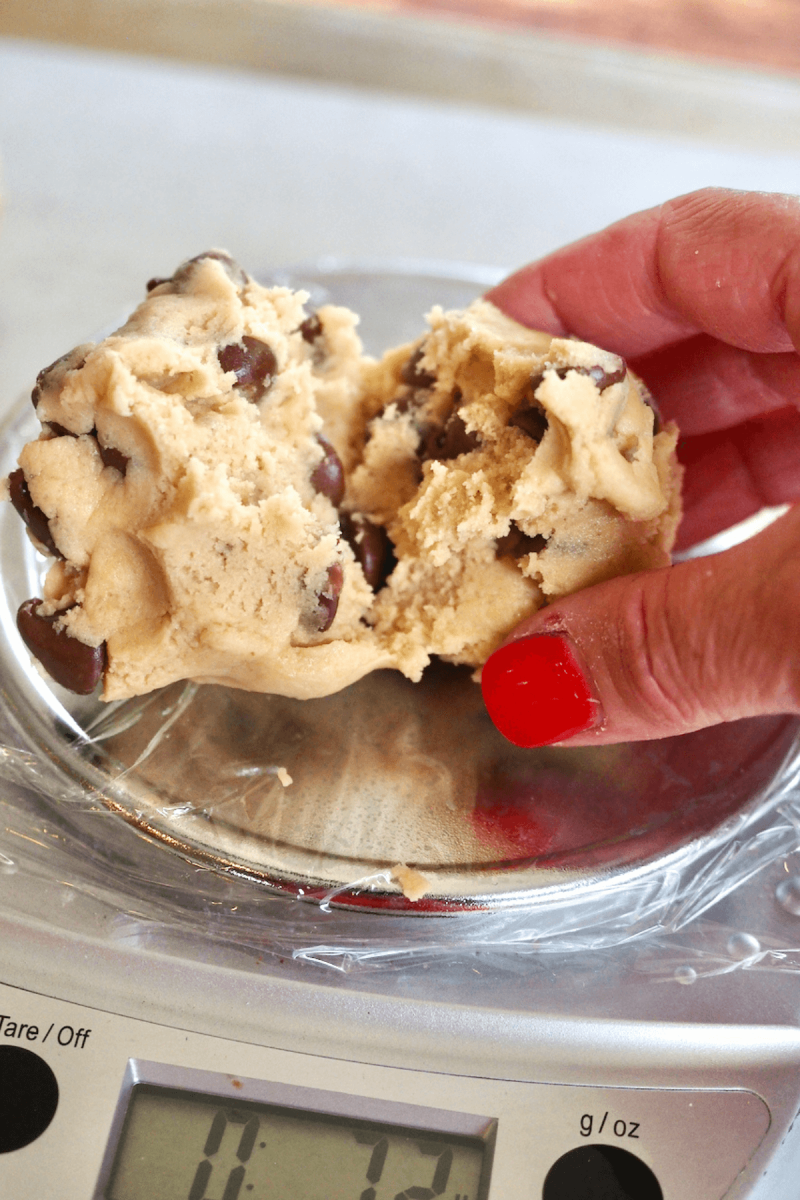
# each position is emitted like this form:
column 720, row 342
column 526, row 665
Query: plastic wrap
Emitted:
column 302, row 829
column 71, row 842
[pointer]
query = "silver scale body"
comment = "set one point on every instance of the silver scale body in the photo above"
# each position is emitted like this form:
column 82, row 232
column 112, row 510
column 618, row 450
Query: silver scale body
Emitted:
column 709, row 1073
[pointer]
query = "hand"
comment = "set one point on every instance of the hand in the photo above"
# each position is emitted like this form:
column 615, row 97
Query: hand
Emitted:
column 702, row 297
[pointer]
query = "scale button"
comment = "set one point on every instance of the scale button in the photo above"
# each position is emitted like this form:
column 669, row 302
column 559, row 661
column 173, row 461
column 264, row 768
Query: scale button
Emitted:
column 28, row 1097
column 600, row 1173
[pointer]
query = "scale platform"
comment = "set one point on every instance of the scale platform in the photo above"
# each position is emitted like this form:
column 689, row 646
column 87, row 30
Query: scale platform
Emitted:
column 386, row 774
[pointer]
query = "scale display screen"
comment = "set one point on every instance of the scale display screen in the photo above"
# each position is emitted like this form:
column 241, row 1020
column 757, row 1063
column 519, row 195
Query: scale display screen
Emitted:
column 178, row 1144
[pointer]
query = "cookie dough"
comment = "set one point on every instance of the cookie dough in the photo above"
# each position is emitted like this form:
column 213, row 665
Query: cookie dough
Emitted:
column 184, row 483
column 233, row 493
column 509, row 468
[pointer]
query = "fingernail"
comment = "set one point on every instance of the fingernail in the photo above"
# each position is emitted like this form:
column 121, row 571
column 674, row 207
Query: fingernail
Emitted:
column 536, row 693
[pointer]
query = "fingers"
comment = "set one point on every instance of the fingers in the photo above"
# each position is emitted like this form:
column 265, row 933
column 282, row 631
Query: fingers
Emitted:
column 703, row 294
column 718, row 262
column 660, row 653
column 705, row 385
column 730, row 476
column 739, row 418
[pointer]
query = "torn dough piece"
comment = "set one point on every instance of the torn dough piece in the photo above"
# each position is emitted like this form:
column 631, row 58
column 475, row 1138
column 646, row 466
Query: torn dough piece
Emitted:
column 412, row 883
column 509, row 468
column 234, row 494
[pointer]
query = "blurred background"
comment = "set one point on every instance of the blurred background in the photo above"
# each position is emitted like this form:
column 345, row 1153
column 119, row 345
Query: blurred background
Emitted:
column 745, row 31
column 135, row 133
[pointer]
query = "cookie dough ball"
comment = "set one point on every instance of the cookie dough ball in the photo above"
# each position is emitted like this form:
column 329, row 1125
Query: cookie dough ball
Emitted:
column 234, row 494
column 508, row 468
column 184, row 485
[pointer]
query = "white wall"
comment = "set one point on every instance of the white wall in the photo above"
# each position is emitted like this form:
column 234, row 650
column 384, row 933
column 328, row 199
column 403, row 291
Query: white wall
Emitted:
column 116, row 168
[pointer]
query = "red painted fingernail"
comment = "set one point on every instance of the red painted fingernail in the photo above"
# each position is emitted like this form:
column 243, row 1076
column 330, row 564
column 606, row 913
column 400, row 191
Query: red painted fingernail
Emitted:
column 536, row 693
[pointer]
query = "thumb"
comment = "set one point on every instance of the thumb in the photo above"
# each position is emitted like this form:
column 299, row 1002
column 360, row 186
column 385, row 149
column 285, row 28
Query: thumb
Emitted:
column 659, row 653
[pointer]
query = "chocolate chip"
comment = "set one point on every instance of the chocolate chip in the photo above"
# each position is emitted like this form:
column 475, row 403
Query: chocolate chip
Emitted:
column 69, row 662
column 33, row 517
column 58, row 430
column 599, row 375
column 186, row 269
column 530, row 418
column 230, row 265
column 311, row 329
column 451, row 441
column 603, row 378
column 113, row 458
column 372, row 548
column 649, row 400
column 411, row 401
column 232, row 268
column 253, row 363
column 110, row 455
column 538, row 378
column 328, row 475
column 518, row 544
column 414, row 375
column 328, row 598
column 59, row 367
column 312, row 332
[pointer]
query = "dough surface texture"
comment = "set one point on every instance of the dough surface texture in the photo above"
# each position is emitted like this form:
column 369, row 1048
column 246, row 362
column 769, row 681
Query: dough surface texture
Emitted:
column 233, row 493
column 540, row 475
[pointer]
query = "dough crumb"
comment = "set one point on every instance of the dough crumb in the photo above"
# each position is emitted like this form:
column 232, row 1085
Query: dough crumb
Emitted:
column 411, row 882
column 284, row 776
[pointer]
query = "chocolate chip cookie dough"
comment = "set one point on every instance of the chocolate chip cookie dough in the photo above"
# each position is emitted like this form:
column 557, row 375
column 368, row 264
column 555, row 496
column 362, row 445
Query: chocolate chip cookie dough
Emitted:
column 183, row 482
column 509, row 468
column 234, row 494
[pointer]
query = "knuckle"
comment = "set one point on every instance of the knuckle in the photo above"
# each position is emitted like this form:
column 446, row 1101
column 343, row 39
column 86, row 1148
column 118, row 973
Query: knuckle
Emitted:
column 667, row 665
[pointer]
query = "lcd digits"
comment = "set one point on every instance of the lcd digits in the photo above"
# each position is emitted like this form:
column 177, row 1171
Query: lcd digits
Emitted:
column 178, row 1144
column 232, row 1116
column 377, row 1161
column 222, row 1118
column 441, row 1175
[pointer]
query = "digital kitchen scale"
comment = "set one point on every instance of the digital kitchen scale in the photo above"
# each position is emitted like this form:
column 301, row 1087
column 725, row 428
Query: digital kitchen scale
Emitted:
column 594, row 997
